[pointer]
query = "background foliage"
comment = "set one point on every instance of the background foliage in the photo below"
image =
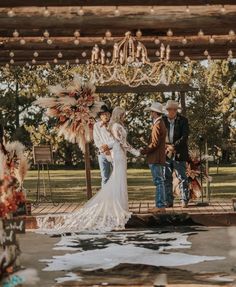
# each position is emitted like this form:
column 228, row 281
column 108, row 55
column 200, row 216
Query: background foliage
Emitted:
column 211, row 110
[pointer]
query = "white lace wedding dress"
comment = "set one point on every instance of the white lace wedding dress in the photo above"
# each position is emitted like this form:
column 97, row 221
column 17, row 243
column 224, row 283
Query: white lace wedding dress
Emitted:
column 108, row 209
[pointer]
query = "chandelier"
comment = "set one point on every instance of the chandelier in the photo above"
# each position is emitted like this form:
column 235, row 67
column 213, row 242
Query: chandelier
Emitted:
column 130, row 64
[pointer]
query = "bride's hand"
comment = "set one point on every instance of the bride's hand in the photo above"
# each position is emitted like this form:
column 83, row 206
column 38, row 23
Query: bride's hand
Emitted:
column 108, row 152
column 137, row 153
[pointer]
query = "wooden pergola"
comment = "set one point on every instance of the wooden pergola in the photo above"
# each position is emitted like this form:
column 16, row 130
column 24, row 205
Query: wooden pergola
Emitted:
column 192, row 28
column 65, row 31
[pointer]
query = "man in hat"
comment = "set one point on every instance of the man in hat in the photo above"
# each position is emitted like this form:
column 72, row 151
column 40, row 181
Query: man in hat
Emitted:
column 103, row 141
column 177, row 152
column 155, row 152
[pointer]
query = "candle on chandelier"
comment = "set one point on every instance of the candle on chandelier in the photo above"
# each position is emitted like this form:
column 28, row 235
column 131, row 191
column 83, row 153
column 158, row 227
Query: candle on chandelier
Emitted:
column 139, row 48
column 168, row 53
column 121, row 57
column 102, row 57
column 162, row 51
column 96, row 51
column 116, row 51
column 93, row 56
column 143, row 56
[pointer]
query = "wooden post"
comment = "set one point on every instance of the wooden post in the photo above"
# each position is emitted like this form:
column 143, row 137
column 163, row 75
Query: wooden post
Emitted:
column 207, row 173
column 88, row 171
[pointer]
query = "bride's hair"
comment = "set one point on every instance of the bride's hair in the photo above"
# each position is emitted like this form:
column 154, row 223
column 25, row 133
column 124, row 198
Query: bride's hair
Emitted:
column 116, row 117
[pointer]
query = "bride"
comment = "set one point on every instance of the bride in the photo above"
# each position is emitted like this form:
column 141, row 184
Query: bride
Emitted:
column 108, row 209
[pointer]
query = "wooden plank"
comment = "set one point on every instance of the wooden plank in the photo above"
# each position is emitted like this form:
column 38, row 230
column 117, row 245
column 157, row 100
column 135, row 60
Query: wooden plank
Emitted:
column 55, row 209
column 35, row 42
column 63, row 3
column 75, row 207
column 96, row 22
column 41, row 207
column 144, row 88
column 46, row 210
column 49, row 210
column 72, row 60
column 68, row 53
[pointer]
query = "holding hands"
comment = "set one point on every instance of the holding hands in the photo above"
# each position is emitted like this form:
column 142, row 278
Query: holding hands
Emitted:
column 170, row 150
column 105, row 149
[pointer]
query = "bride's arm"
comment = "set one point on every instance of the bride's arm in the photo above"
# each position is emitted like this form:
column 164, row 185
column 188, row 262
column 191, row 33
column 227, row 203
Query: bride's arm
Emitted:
column 120, row 135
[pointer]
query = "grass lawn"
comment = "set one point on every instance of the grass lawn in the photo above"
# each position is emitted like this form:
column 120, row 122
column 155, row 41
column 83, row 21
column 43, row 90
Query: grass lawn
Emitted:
column 69, row 185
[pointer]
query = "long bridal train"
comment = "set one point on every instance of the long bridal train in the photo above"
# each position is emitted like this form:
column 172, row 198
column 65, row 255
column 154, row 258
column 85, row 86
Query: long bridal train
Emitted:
column 108, row 209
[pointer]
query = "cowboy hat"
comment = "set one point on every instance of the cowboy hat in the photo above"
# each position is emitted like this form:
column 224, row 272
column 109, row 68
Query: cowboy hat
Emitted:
column 155, row 107
column 104, row 109
column 172, row 105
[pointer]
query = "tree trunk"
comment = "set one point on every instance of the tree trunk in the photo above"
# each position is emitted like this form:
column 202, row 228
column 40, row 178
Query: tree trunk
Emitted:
column 17, row 119
column 225, row 138
column 88, row 171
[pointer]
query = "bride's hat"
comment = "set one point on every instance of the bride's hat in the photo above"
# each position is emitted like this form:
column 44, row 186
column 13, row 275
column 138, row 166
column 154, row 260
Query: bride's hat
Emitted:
column 155, row 107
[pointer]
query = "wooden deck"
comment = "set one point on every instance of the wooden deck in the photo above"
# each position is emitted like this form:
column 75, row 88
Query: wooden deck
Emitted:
column 215, row 214
column 138, row 208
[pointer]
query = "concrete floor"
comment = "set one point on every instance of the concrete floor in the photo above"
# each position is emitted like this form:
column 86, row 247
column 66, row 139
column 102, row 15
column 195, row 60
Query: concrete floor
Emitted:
column 208, row 241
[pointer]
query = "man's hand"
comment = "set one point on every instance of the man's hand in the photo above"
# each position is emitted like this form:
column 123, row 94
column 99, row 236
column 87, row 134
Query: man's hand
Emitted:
column 170, row 148
column 105, row 148
column 107, row 152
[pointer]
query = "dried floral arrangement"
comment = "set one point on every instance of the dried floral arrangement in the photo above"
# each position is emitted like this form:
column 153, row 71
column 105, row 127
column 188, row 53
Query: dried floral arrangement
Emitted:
column 75, row 108
column 194, row 173
column 13, row 169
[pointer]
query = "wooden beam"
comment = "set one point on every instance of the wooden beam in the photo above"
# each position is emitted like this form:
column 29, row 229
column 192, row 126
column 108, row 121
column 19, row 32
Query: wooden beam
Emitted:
column 43, row 61
column 96, row 23
column 144, row 89
column 68, row 54
column 57, row 3
column 36, row 43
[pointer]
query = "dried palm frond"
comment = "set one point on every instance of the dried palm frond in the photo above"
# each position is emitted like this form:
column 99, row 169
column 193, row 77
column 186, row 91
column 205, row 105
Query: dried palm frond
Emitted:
column 21, row 170
column 2, row 164
column 75, row 108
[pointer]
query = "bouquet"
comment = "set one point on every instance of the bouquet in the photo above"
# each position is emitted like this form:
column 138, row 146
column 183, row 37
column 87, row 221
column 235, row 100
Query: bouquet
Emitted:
column 75, row 108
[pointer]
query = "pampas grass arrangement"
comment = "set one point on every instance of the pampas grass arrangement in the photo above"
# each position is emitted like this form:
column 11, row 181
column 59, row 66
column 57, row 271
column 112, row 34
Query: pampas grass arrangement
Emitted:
column 13, row 169
column 75, row 108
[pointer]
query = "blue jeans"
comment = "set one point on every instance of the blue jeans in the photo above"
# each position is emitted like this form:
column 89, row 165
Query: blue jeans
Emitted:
column 105, row 168
column 179, row 167
column 158, row 179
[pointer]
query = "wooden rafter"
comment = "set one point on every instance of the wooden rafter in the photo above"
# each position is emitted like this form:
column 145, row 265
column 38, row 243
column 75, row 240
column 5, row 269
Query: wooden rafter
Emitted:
column 97, row 20
column 71, row 60
column 77, row 52
column 88, row 42
column 144, row 88
column 40, row 3
column 195, row 48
